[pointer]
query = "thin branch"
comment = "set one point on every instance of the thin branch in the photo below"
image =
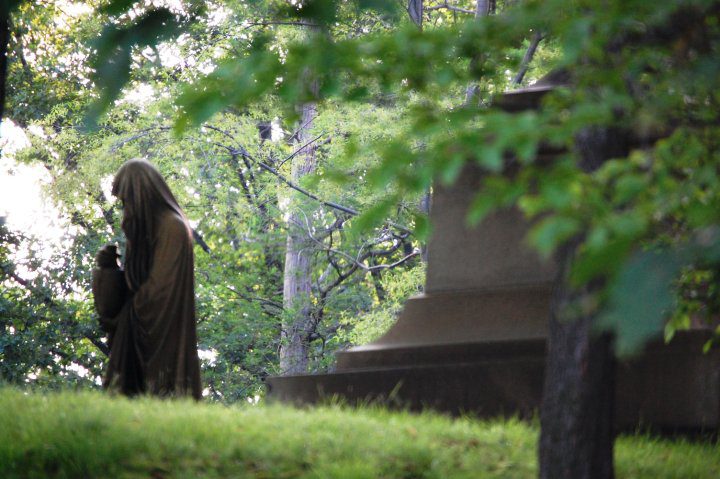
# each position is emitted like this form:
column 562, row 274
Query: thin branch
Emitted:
column 200, row 241
column 453, row 8
column 215, row 128
column 280, row 22
column 262, row 301
column 305, row 192
column 141, row 134
column 295, row 134
column 361, row 257
column 301, row 149
column 329, row 204
column 527, row 58
column 50, row 302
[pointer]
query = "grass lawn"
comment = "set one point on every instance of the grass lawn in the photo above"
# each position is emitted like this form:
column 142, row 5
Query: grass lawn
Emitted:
column 77, row 435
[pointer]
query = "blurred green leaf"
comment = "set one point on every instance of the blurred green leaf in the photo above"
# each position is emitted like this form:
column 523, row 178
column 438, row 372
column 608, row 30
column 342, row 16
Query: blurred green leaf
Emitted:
column 383, row 6
column 422, row 227
column 551, row 232
column 321, row 12
column 640, row 300
column 113, row 55
column 603, row 259
column 115, row 7
column 373, row 216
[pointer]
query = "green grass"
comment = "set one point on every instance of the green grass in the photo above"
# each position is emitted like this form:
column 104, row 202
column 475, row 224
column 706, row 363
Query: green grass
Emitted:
column 78, row 435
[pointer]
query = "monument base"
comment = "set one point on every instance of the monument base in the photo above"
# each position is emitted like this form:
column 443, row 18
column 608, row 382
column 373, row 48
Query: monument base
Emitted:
column 669, row 387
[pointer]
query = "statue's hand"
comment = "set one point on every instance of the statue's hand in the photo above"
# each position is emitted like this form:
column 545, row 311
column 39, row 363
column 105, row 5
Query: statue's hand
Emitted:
column 107, row 256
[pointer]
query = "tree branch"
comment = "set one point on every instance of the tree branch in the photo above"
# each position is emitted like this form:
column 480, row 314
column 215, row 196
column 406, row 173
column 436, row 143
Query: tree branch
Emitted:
column 453, row 8
column 527, row 58
column 50, row 302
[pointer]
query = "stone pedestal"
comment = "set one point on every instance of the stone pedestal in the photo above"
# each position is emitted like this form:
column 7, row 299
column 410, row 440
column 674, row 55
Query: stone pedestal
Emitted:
column 474, row 342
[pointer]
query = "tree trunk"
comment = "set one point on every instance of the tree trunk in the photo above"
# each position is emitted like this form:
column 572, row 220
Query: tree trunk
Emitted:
column 425, row 204
column 4, row 40
column 482, row 9
column 576, row 421
column 415, row 9
column 576, row 417
column 297, row 316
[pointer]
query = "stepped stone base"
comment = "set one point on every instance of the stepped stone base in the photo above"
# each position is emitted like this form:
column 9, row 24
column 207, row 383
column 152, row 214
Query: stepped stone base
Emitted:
column 672, row 386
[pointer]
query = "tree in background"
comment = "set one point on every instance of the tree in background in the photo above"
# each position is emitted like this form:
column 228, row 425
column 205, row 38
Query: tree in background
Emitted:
column 233, row 177
column 629, row 205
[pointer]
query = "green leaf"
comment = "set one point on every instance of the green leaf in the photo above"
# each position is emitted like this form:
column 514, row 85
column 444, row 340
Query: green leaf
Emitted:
column 422, row 227
column 628, row 187
column 114, row 47
column 372, row 217
column 451, row 169
column 601, row 259
column 491, row 157
column 116, row 7
column 482, row 205
column 382, row 6
column 551, row 232
column 322, row 12
column 640, row 300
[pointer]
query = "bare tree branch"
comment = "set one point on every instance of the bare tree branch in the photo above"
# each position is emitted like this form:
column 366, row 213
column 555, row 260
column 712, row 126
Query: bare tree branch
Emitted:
column 200, row 241
column 302, row 148
column 141, row 134
column 267, row 23
column 50, row 302
column 453, row 8
column 527, row 58
column 329, row 204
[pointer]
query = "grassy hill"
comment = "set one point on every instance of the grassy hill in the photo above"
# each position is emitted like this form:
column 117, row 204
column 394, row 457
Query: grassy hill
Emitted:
column 78, row 435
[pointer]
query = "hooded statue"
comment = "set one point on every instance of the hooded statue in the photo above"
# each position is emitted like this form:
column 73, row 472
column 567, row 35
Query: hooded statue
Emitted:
column 153, row 339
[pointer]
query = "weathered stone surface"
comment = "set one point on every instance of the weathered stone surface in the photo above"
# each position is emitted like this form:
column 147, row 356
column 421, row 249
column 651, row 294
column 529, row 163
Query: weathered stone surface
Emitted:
column 491, row 256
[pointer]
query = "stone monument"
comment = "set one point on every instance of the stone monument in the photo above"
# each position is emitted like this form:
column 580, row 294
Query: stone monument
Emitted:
column 474, row 342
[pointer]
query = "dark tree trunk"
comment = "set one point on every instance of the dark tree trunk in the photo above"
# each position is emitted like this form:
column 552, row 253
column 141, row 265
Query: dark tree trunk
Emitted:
column 576, row 417
column 415, row 9
column 576, row 440
column 4, row 40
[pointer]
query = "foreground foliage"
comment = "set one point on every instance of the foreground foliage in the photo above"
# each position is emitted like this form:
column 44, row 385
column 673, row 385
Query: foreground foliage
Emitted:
column 89, row 435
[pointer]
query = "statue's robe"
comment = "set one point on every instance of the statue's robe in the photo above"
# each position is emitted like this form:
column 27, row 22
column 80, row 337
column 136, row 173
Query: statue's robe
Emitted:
column 153, row 340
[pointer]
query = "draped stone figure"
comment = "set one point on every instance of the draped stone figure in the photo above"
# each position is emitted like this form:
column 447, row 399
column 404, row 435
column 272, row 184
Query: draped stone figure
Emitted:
column 153, row 339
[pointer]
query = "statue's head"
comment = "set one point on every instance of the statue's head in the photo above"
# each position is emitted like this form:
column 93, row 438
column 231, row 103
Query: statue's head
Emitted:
column 145, row 196
column 138, row 184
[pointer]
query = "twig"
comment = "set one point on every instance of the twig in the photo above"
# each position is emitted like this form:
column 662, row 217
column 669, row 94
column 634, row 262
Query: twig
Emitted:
column 301, row 149
column 142, row 133
column 50, row 302
column 527, row 58
column 453, row 8
column 280, row 22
